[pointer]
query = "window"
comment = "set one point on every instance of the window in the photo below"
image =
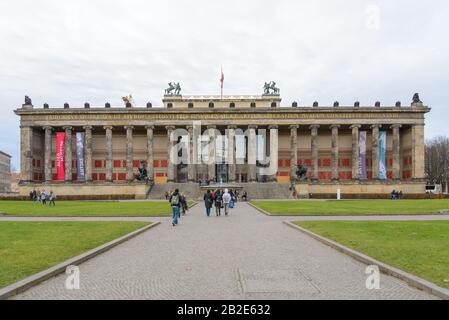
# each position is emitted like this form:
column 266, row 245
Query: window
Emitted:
column 169, row 105
column 232, row 105
column 273, row 105
column 253, row 105
column 190, row 105
column 211, row 104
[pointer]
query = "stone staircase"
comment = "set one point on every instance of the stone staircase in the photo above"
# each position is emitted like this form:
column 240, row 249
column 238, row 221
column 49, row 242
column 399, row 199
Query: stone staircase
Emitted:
column 268, row 190
column 191, row 190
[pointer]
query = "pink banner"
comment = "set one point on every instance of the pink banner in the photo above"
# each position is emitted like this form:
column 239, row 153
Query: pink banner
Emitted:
column 60, row 156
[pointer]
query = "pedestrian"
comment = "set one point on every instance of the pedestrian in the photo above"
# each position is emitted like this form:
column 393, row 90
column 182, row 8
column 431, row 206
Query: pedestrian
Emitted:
column 232, row 203
column 245, row 196
column 31, row 195
column 52, row 198
column 38, row 194
column 43, row 198
column 183, row 201
column 175, row 204
column 34, row 195
column 218, row 203
column 226, row 201
column 208, row 201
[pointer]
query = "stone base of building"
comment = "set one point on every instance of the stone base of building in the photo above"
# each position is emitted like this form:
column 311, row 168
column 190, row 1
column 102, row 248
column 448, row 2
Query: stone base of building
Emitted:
column 361, row 189
column 88, row 191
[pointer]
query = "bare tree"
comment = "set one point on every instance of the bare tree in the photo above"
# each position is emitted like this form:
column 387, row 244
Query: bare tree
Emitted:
column 437, row 161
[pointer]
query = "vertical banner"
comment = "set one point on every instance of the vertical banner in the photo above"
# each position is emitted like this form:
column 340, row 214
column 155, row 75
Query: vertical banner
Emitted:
column 362, row 155
column 60, row 155
column 80, row 175
column 382, row 155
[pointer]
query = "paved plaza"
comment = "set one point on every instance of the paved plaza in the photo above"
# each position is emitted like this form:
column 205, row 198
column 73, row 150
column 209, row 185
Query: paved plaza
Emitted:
column 246, row 255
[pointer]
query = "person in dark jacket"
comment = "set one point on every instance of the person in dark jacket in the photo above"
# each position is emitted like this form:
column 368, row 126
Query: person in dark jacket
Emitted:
column 208, row 201
column 218, row 202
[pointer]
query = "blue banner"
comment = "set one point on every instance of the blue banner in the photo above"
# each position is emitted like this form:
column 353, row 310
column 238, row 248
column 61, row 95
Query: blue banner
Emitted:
column 382, row 155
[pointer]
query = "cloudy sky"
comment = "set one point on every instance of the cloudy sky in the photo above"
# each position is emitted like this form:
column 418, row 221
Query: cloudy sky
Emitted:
column 98, row 51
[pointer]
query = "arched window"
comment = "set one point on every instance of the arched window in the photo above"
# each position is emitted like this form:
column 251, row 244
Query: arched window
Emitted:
column 190, row 105
column 211, row 104
column 232, row 105
column 273, row 105
column 253, row 104
column 169, row 105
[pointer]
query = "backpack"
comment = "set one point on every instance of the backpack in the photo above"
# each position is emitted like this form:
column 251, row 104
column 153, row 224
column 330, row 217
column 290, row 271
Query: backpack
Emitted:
column 174, row 200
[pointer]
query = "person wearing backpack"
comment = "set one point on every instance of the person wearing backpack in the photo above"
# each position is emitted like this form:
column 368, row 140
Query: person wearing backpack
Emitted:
column 175, row 204
column 218, row 203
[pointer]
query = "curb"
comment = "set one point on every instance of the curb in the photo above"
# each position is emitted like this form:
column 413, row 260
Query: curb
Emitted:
column 410, row 279
column 27, row 283
column 259, row 209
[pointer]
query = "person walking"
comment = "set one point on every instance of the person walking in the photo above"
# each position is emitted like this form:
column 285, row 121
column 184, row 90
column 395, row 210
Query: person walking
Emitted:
column 226, row 201
column 38, row 194
column 43, row 198
column 183, row 201
column 218, row 203
column 34, row 195
column 175, row 204
column 208, row 201
column 52, row 198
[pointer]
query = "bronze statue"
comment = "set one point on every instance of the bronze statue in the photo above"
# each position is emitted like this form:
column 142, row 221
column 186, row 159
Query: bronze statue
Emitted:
column 28, row 100
column 416, row 98
column 301, row 172
column 128, row 100
column 142, row 174
column 270, row 86
column 173, row 89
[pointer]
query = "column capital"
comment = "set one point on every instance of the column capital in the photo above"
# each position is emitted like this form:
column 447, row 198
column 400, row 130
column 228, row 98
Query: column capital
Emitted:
column 129, row 127
column 358, row 126
column 108, row 127
column 233, row 127
column 170, row 128
column 150, row 126
column 378, row 126
column 252, row 126
column 395, row 126
column 88, row 127
column 332, row 126
column 67, row 128
column 273, row 126
column 293, row 126
column 314, row 126
column 47, row 127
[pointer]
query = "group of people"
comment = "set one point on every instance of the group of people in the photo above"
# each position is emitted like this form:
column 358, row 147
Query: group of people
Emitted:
column 42, row 197
column 178, row 202
column 396, row 195
column 221, row 200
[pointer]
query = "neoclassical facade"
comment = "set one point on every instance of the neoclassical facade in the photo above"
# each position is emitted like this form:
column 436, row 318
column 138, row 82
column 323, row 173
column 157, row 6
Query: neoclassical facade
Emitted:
column 234, row 139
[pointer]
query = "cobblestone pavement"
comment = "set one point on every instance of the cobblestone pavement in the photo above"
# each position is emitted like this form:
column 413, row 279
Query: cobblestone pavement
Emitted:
column 246, row 255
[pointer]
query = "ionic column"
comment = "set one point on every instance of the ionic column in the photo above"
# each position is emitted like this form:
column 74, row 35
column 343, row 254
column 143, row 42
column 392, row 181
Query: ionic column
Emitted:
column 293, row 151
column 396, row 152
column 314, row 146
column 231, row 153
column 108, row 153
column 191, row 161
column 252, row 154
column 26, row 153
column 47, row 153
column 418, row 151
column 375, row 150
column 88, row 152
column 150, row 152
column 334, row 151
column 212, row 152
column 274, row 149
column 129, row 153
column 68, row 153
column 355, row 151
column 171, row 154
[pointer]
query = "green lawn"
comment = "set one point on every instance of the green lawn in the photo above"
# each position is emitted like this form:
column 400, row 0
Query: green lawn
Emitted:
column 87, row 208
column 30, row 247
column 417, row 247
column 352, row 207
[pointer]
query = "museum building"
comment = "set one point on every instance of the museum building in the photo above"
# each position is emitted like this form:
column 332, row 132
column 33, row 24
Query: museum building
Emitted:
column 245, row 140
